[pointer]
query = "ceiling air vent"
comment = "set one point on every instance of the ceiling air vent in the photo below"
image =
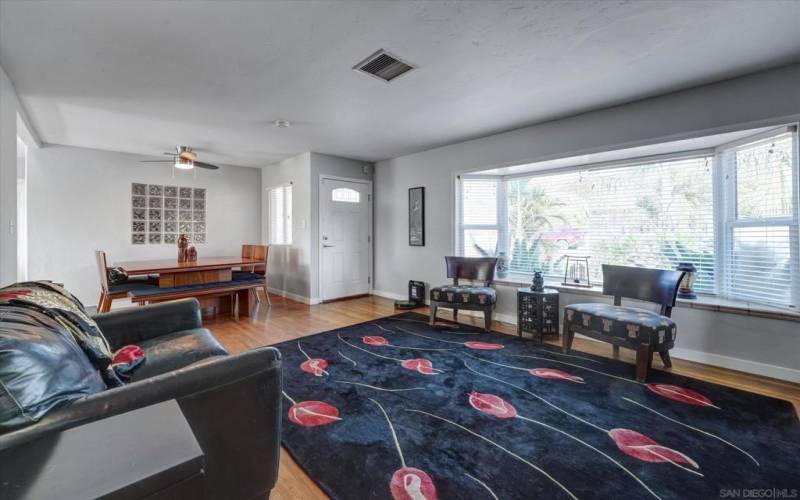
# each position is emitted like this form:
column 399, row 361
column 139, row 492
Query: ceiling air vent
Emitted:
column 383, row 65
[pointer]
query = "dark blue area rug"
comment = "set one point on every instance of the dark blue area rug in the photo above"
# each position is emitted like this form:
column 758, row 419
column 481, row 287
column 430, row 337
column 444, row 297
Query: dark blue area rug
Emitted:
column 393, row 408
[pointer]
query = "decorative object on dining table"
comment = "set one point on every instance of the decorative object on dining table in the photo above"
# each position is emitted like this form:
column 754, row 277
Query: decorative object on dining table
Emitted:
column 183, row 244
column 159, row 213
column 416, row 216
column 576, row 271
column 537, row 313
column 191, row 254
column 537, row 284
column 686, row 287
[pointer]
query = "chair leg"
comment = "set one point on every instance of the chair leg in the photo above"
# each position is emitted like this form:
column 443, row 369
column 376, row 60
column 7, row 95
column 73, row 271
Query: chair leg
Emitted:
column 567, row 342
column 644, row 359
column 266, row 294
column 258, row 297
column 616, row 352
column 487, row 318
column 665, row 358
column 455, row 314
column 433, row 308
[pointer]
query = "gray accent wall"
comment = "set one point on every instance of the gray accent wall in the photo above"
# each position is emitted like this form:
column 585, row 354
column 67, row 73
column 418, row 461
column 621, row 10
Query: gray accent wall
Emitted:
column 772, row 97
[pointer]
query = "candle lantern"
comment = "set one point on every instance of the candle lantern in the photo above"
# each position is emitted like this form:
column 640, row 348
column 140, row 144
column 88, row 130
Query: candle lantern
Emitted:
column 576, row 271
column 686, row 287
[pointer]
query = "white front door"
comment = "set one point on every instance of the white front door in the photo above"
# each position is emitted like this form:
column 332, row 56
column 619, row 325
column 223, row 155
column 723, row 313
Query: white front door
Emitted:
column 344, row 238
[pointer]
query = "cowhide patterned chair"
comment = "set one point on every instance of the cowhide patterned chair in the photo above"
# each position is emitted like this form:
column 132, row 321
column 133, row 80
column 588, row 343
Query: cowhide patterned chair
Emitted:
column 473, row 297
column 644, row 331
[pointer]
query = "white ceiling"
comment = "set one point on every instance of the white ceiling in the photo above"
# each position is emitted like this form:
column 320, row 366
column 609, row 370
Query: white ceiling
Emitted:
column 141, row 77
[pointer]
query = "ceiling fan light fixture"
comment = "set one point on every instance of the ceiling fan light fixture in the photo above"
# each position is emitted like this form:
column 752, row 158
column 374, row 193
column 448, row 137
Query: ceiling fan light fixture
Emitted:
column 183, row 164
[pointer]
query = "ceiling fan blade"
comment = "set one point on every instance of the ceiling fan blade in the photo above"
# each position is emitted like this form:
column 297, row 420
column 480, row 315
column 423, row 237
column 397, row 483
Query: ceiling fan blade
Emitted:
column 205, row 165
column 156, row 161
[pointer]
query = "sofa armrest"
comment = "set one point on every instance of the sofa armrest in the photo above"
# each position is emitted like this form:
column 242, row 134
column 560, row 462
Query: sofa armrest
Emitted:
column 232, row 404
column 136, row 324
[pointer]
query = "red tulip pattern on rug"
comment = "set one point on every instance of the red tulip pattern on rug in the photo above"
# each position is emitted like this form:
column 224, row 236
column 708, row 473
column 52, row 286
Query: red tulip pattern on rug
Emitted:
column 491, row 404
column 314, row 366
column 312, row 413
column 483, row 346
column 681, row 394
column 407, row 483
column 420, row 365
column 553, row 374
column 374, row 340
column 643, row 448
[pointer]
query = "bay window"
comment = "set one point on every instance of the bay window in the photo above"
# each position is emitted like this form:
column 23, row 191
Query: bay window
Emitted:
column 731, row 211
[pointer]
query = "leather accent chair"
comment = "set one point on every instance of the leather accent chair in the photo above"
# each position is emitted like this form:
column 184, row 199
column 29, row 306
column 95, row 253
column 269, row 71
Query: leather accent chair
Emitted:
column 642, row 330
column 481, row 297
column 231, row 402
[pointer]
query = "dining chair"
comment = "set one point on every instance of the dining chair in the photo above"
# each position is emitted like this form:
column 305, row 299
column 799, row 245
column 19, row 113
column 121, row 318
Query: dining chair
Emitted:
column 642, row 330
column 260, row 252
column 109, row 292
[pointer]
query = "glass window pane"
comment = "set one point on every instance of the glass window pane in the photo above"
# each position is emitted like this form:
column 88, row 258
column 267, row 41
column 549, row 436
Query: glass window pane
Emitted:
column 480, row 242
column 760, row 263
column 479, row 201
column 345, row 195
column 764, row 179
column 653, row 215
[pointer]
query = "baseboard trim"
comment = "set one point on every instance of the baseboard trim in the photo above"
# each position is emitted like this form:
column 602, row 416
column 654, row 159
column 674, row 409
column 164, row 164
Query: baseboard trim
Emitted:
column 297, row 298
column 389, row 295
column 738, row 364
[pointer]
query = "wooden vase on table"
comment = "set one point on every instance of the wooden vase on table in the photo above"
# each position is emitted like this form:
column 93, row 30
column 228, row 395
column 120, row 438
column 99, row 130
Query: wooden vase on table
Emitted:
column 183, row 252
column 191, row 254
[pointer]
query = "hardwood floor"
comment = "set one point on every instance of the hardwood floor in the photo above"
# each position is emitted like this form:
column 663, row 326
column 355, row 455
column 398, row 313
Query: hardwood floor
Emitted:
column 287, row 320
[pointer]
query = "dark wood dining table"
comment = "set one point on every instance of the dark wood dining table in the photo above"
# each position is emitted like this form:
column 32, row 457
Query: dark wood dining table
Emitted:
column 205, row 270
column 172, row 273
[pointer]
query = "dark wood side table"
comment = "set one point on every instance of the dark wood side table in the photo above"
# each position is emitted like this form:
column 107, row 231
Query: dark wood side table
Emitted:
column 150, row 452
column 537, row 313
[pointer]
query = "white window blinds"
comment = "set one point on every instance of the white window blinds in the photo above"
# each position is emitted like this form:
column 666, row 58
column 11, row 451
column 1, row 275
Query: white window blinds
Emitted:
column 760, row 220
column 650, row 215
column 733, row 213
column 279, row 207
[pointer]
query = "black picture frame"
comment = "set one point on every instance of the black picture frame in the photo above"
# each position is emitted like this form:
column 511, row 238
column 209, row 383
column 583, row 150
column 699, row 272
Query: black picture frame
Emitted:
column 416, row 216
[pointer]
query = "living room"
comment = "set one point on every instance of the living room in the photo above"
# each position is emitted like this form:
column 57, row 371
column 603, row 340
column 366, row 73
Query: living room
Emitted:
column 345, row 249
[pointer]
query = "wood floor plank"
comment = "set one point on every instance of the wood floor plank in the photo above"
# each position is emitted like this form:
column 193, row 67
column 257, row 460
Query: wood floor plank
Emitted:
column 287, row 320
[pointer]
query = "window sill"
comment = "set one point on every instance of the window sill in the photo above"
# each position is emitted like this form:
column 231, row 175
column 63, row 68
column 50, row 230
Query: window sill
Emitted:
column 703, row 302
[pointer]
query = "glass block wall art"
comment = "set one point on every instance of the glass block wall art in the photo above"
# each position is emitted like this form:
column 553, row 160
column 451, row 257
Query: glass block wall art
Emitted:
column 159, row 214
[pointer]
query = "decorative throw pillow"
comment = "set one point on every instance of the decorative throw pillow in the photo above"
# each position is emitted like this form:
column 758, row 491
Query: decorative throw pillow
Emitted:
column 41, row 367
column 54, row 301
column 117, row 276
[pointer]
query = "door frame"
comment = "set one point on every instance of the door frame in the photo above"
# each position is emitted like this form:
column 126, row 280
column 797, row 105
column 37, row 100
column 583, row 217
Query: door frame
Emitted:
column 371, row 235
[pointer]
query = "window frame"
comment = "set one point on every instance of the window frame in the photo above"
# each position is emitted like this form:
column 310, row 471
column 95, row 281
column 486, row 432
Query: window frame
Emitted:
column 723, row 187
column 287, row 202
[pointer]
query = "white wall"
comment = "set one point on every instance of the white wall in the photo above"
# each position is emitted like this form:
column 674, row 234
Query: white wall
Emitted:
column 9, row 106
column 766, row 98
column 289, row 266
column 79, row 201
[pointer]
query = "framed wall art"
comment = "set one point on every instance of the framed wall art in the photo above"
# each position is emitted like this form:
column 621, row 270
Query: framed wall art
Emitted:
column 416, row 216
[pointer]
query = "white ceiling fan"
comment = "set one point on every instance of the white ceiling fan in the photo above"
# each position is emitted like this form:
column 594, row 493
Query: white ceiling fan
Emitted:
column 184, row 158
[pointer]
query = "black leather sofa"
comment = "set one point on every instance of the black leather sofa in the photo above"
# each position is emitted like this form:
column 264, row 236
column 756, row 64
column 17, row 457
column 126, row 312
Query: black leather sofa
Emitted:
column 231, row 402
